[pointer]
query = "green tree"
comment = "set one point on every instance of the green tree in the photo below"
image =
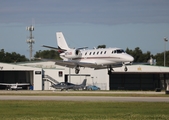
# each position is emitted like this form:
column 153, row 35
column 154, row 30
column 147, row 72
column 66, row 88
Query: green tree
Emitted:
column 2, row 55
column 138, row 55
column 47, row 54
column 101, row 46
column 160, row 58
column 11, row 57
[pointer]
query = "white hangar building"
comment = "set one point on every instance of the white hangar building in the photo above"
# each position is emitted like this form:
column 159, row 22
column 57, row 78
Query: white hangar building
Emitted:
column 41, row 75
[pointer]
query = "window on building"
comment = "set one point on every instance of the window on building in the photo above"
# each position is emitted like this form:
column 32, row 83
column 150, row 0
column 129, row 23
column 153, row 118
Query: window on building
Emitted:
column 60, row 74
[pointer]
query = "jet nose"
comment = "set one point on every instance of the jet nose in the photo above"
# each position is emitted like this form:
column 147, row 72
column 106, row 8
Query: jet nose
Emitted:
column 131, row 59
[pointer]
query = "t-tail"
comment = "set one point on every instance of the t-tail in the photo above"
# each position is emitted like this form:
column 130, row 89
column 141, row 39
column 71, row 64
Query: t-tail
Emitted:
column 61, row 41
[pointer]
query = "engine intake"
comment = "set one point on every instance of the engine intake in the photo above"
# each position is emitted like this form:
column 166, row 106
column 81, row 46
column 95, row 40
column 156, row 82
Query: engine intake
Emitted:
column 73, row 53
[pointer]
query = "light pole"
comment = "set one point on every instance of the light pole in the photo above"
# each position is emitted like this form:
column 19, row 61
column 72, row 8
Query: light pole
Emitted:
column 165, row 40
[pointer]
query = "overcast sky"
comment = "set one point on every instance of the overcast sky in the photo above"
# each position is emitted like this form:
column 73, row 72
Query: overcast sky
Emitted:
column 115, row 23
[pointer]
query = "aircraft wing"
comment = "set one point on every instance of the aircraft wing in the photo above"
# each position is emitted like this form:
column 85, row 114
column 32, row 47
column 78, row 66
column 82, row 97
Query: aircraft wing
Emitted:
column 5, row 84
column 19, row 84
column 73, row 64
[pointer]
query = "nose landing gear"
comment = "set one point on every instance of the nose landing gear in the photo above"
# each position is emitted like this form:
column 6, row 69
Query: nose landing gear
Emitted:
column 125, row 69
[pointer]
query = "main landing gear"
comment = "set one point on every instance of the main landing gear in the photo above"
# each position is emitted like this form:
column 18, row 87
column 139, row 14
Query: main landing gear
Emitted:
column 77, row 69
column 110, row 69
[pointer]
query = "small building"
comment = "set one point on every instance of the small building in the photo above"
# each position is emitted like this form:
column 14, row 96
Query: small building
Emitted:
column 35, row 73
column 139, row 77
column 11, row 73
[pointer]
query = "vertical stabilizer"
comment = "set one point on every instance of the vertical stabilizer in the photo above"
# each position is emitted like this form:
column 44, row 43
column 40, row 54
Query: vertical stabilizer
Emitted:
column 84, row 82
column 61, row 41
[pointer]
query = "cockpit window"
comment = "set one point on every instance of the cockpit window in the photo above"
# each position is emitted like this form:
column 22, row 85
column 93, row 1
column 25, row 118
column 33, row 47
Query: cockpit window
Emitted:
column 118, row 51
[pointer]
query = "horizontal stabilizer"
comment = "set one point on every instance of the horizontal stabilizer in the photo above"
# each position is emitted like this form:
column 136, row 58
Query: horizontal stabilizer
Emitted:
column 54, row 48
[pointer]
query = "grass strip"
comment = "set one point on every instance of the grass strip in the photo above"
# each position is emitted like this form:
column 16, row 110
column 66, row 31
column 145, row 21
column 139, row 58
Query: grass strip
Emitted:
column 68, row 110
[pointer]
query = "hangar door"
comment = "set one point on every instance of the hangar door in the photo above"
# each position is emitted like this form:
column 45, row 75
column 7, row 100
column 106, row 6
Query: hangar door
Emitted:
column 16, row 77
column 134, row 81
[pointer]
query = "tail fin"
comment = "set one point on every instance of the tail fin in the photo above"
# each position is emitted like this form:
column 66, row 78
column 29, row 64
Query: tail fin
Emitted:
column 84, row 82
column 61, row 41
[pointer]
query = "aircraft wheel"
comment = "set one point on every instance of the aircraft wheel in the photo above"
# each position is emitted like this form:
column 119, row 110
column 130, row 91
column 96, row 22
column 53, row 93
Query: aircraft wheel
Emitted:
column 125, row 69
column 77, row 71
column 109, row 72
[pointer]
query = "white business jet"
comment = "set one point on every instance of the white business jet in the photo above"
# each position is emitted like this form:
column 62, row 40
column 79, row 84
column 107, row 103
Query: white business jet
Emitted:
column 17, row 86
column 92, row 58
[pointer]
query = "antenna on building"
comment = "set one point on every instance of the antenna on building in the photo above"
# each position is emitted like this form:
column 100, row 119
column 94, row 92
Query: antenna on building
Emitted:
column 30, row 40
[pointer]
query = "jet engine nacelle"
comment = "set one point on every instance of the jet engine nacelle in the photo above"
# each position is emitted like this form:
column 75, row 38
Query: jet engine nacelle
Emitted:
column 73, row 53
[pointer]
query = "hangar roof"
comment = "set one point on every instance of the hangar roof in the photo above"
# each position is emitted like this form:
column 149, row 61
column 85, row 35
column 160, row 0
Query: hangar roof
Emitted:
column 41, row 64
column 51, row 65
column 14, row 67
column 144, row 68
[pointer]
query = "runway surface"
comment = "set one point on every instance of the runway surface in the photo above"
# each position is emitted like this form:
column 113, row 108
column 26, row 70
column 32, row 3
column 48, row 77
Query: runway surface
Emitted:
column 67, row 92
column 86, row 98
column 67, row 96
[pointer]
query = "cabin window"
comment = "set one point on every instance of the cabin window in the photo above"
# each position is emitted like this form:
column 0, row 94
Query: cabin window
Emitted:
column 86, row 53
column 90, row 53
column 105, row 52
column 112, row 52
column 101, row 52
column 93, row 53
column 97, row 52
